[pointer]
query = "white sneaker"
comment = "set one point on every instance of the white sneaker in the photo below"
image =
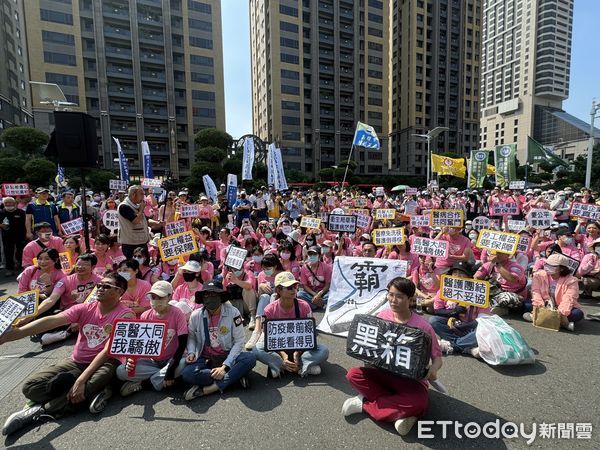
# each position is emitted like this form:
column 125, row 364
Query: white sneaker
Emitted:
column 571, row 326
column 313, row 370
column 446, row 347
column 51, row 338
column 403, row 426
column 528, row 317
column 252, row 323
column 474, row 352
column 253, row 340
column 352, row 406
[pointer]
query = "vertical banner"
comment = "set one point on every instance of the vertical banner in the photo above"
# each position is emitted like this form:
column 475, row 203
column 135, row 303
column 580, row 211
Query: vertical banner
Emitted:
column 231, row 189
column 123, row 166
column 505, row 160
column 280, row 182
column 147, row 161
column 210, row 188
column 477, row 168
column 270, row 168
column 248, row 159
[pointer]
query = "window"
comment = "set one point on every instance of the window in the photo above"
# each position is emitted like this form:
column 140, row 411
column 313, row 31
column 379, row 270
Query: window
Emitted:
column 201, row 42
column 58, row 38
column 55, row 16
column 291, row 106
column 199, row 60
column 288, row 10
column 375, row 32
column 290, row 43
column 375, row 18
column 375, row 46
column 59, row 58
column 200, row 24
column 203, row 95
column 286, row 89
column 375, row 88
column 287, row 120
column 286, row 26
column 203, row 78
column 375, row 74
column 290, row 74
column 199, row 6
column 376, row 4
column 287, row 58
column 60, row 79
column 204, row 112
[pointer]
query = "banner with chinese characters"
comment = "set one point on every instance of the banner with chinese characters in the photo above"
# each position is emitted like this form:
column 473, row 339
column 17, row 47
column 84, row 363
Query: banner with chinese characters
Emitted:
column 465, row 291
column 430, row 247
column 586, row 211
column 420, row 221
column 498, row 241
column 10, row 310
column 288, row 335
column 310, row 222
column 235, row 257
column 341, row 223
column 478, row 168
column 117, row 185
column 358, row 286
column 138, row 338
column 176, row 227
column 110, row 219
column 31, row 300
column 385, row 214
column 177, row 246
column 505, row 157
column 447, row 218
column 189, row 211
column 390, row 346
column 15, row 189
column 388, row 236
column 505, row 209
column 540, row 219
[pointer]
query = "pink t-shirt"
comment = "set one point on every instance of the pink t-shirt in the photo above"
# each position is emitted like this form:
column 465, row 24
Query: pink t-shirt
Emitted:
column 177, row 326
column 213, row 347
column 32, row 249
column 30, row 276
column 138, row 296
column 513, row 267
column 105, row 264
column 94, row 328
column 183, row 293
column 318, row 278
column 456, row 246
column 275, row 311
column 73, row 291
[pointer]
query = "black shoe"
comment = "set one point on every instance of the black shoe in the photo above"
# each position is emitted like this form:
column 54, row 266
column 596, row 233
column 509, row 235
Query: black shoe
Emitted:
column 21, row 419
column 245, row 382
column 36, row 338
column 60, row 384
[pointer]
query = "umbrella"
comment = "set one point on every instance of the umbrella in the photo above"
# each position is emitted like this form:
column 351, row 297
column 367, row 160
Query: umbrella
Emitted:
column 400, row 187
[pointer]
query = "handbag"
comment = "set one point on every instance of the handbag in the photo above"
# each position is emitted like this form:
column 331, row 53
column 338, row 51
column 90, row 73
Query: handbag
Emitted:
column 546, row 317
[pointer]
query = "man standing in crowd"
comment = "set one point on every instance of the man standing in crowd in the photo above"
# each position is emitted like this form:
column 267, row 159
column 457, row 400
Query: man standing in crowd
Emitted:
column 68, row 210
column 41, row 210
column 12, row 223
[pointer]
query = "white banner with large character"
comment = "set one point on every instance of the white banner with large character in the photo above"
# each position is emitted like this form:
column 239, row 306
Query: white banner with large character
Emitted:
column 358, row 286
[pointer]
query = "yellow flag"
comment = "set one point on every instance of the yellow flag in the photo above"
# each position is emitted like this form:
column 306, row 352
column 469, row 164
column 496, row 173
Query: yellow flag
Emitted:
column 491, row 170
column 449, row 166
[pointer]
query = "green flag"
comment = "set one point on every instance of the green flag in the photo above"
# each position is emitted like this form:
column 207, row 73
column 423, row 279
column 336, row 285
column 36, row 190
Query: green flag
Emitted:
column 536, row 153
column 477, row 168
column 505, row 161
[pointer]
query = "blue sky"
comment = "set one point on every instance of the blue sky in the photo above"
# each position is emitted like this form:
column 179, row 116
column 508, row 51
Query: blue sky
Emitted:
column 585, row 63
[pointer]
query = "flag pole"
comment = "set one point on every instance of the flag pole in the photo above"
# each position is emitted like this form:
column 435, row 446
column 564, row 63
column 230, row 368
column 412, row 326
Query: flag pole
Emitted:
column 347, row 164
column 527, row 163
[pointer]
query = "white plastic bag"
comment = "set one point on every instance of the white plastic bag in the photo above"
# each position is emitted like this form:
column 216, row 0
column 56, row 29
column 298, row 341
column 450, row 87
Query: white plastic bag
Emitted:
column 500, row 344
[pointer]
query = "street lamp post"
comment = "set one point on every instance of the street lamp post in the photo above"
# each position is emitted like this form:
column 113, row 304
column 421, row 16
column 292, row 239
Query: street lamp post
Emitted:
column 588, row 168
column 428, row 137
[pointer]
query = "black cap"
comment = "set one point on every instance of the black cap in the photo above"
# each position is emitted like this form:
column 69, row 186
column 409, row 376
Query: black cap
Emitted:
column 214, row 286
column 463, row 266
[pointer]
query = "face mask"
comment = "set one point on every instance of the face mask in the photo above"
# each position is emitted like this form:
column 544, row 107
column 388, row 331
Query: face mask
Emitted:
column 158, row 304
column 212, row 303
column 189, row 276
column 569, row 241
column 472, row 236
column 286, row 255
column 10, row 208
column 257, row 258
column 238, row 273
column 97, row 199
column 597, row 250
column 325, row 250
column 125, row 275
column 313, row 259
column 310, row 242
column 550, row 269
column 45, row 236
column 268, row 235
column 269, row 272
column 468, row 227
column 173, row 262
column 140, row 261
column 246, row 236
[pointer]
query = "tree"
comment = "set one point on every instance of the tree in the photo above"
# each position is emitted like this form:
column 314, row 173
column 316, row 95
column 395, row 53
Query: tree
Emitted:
column 26, row 140
column 98, row 180
column 211, row 137
column 39, row 172
column 211, row 154
column 11, row 169
column 326, row 174
column 233, row 165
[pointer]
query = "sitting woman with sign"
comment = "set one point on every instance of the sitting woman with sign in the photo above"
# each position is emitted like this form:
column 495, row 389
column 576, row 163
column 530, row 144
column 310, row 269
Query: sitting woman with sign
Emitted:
column 44, row 275
column 287, row 306
column 135, row 297
column 316, row 279
column 215, row 358
column 556, row 287
column 383, row 395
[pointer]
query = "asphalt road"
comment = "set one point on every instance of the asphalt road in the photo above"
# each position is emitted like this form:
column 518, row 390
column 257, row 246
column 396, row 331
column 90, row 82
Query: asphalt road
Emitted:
column 561, row 387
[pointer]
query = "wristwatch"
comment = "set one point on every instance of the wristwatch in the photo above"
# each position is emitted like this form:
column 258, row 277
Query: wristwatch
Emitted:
column 227, row 368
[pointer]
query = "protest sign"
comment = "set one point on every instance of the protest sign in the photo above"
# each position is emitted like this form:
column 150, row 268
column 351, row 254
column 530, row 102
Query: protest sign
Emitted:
column 516, row 185
column 288, row 335
column 135, row 338
column 447, row 218
column 420, row 221
column 363, row 222
column 235, row 257
column 177, row 246
column 31, row 301
column 465, row 291
column 15, row 189
column 360, row 202
column 481, row 222
column 572, row 264
column 359, row 212
column 151, row 183
column 410, row 207
column 516, row 225
column 341, row 223
column 388, row 236
column 379, row 191
column 390, row 346
column 385, row 214
column 72, row 227
column 189, row 211
column 10, row 309
column 310, row 222
column 176, row 227
column 110, row 219
column 66, row 264
column 411, row 191
column 524, row 243
column 117, row 185
column 92, row 296
column 540, row 219
column 358, row 286
column 324, row 217
column 331, row 201
column 586, row 211
column 429, row 247
column 505, row 209
column 499, row 241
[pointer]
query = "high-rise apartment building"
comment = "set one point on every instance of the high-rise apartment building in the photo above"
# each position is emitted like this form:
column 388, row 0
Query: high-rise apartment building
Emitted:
column 146, row 69
column 318, row 67
column 434, row 79
column 15, row 100
column 526, row 53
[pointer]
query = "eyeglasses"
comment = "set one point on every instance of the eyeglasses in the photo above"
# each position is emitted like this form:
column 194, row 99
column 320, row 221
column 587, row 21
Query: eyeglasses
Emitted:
column 293, row 287
column 107, row 286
